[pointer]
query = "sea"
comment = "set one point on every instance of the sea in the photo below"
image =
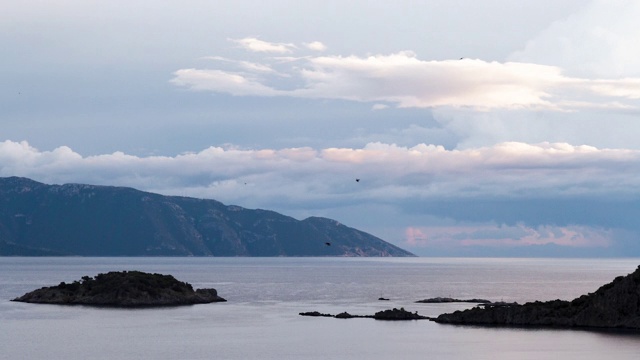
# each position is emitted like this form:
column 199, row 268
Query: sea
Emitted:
column 261, row 318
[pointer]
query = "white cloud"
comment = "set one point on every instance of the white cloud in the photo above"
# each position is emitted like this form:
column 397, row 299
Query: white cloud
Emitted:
column 379, row 106
column 403, row 79
column 316, row 46
column 622, row 88
column 600, row 40
column 244, row 65
column 257, row 45
column 221, row 81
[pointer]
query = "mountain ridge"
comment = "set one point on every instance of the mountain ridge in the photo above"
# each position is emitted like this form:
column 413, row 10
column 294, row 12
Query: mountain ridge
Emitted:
column 96, row 220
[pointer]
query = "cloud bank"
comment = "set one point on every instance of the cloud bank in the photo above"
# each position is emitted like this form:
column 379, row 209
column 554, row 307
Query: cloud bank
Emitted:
column 405, row 80
column 388, row 172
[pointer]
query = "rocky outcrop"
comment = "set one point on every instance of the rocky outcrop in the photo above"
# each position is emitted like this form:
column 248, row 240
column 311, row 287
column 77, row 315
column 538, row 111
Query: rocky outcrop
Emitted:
column 123, row 289
column 315, row 314
column 614, row 305
column 393, row 314
column 398, row 314
column 438, row 300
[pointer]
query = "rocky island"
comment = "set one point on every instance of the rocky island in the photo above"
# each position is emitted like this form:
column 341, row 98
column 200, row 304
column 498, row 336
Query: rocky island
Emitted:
column 123, row 289
column 613, row 306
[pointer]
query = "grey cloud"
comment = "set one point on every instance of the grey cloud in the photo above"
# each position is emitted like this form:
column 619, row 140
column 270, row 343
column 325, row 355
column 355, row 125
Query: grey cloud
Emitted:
column 390, row 173
column 604, row 212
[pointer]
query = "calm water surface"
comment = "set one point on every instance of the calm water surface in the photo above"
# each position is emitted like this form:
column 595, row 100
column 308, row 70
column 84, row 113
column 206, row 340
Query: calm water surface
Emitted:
column 261, row 321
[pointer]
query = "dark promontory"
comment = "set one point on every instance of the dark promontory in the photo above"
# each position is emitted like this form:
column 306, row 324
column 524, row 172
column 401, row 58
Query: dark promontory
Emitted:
column 614, row 305
column 123, row 289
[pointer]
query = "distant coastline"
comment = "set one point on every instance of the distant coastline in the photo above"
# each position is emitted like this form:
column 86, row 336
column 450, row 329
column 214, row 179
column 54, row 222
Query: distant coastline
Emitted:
column 88, row 220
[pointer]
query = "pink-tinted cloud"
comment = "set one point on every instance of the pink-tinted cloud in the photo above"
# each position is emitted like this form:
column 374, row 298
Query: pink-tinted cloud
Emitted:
column 490, row 235
column 405, row 80
column 390, row 172
column 416, row 237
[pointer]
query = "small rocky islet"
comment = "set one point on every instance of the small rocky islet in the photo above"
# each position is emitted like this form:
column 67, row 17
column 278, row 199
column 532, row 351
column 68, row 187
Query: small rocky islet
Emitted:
column 123, row 289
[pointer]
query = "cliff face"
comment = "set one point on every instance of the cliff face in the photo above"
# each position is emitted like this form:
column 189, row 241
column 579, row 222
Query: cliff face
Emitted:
column 87, row 220
column 614, row 305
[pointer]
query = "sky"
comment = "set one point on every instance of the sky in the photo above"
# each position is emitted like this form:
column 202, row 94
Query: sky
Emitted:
column 476, row 127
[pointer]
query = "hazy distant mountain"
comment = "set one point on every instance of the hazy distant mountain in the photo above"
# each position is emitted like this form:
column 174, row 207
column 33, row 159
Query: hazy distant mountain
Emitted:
column 74, row 219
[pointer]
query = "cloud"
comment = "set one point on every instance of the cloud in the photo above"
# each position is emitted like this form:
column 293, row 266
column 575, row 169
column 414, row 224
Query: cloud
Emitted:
column 257, row 45
column 389, row 173
column 244, row 65
column 316, row 46
column 407, row 81
column 600, row 40
column 520, row 235
column 415, row 237
column 221, row 81
column 379, row 106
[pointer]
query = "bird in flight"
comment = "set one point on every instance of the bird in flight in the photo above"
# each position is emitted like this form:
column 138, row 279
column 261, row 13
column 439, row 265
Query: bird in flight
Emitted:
column 328, row 243
column 357, row 180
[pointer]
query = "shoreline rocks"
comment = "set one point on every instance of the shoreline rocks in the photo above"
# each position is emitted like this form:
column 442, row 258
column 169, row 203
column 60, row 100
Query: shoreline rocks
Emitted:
column 398, row 314
column 392, row 314
column 615, row 305
column 438, row 300
column 123, row 289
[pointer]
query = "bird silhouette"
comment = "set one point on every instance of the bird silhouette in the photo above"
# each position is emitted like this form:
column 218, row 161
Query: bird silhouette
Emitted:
column 357, row 180
column 328, row 243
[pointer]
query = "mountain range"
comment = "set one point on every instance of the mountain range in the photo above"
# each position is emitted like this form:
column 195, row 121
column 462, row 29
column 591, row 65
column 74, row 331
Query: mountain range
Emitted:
column 37, row 219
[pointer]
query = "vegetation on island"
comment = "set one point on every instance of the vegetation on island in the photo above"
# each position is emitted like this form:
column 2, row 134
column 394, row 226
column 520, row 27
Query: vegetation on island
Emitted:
column 123, row 289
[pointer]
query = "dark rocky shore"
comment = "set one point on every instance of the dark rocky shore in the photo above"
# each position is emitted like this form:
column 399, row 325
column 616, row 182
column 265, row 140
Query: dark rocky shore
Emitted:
column 613, row 306
column 123, row 289
column 393, row 314
column 438, row 300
